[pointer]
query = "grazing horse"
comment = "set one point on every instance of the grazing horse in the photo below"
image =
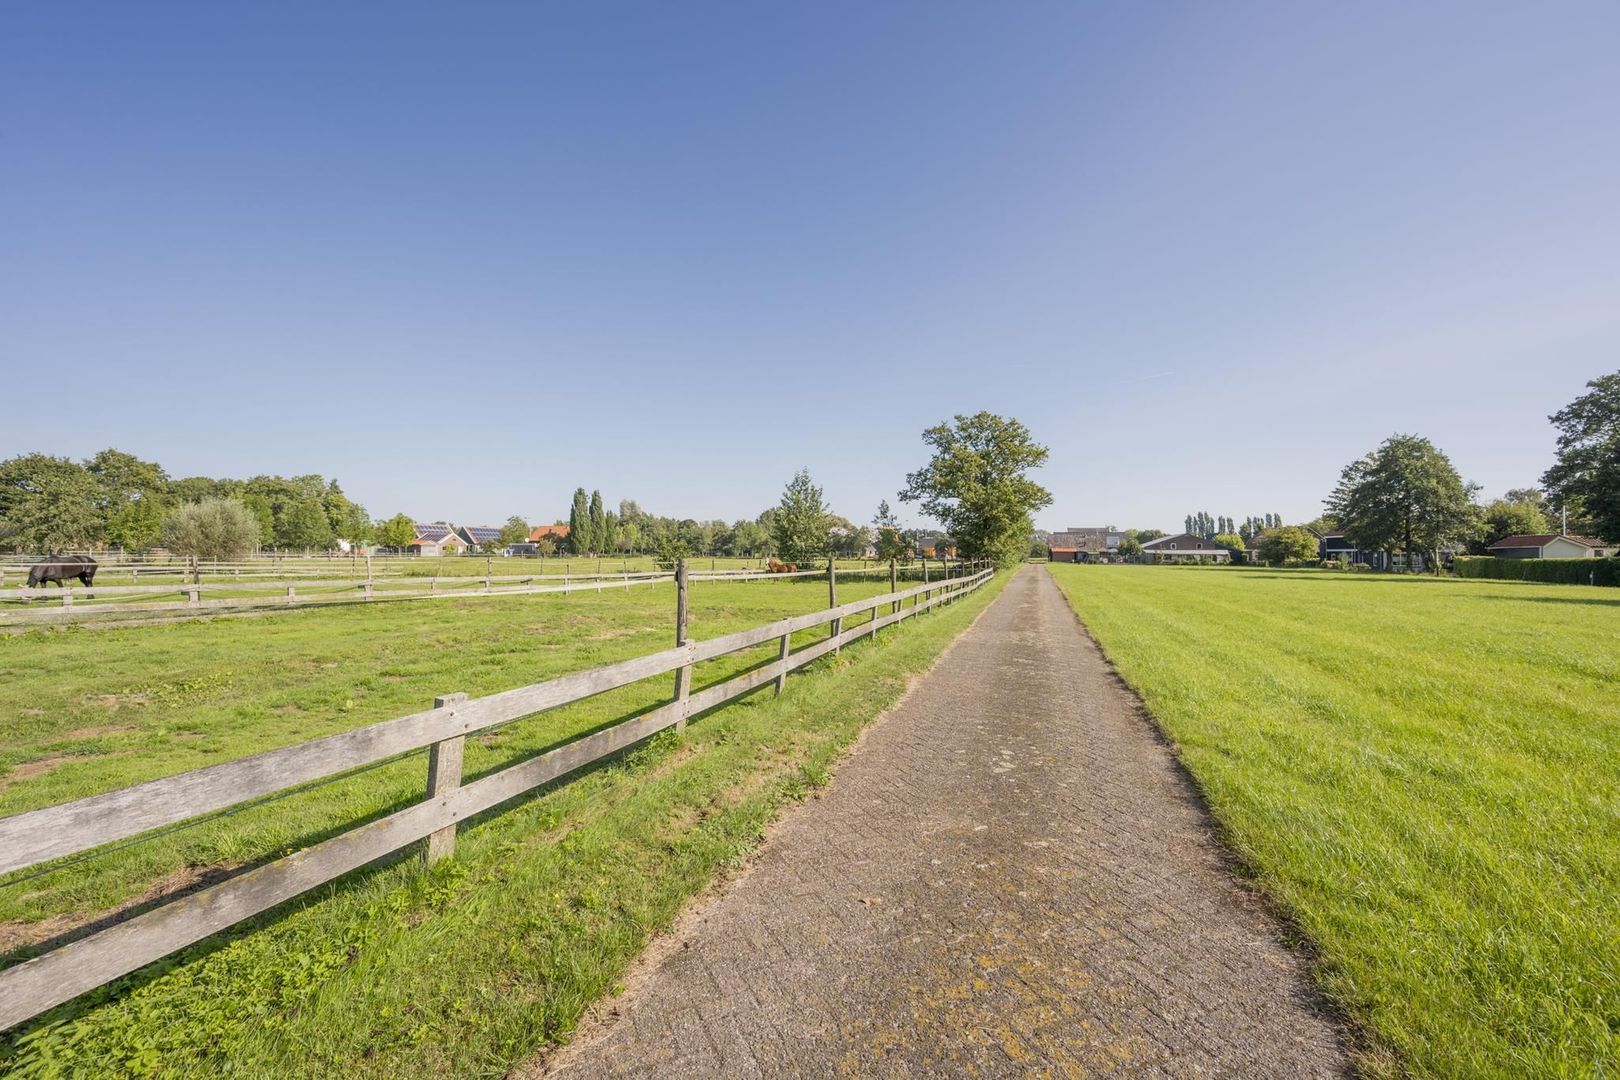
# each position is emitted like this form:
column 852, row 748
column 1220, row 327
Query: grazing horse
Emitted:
column 59, row 568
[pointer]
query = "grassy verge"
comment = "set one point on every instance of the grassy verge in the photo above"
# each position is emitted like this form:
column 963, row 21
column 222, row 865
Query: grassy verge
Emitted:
column 468, row 967
column 1425, row 773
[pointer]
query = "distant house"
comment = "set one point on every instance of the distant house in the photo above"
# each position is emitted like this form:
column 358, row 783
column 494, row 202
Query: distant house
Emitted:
column 934, row 546
column 482, row 537
column 1547, row 546
column 557, row 533
column 1333, row 547
column 436, row 538
column 1184, row 547
column 1081, row 544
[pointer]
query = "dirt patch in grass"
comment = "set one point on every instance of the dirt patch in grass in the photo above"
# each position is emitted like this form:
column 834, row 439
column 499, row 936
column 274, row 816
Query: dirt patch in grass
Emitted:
column 118, row 701
column 98, row 732
column 28, row 770
column 58, row 930
column 618, row 632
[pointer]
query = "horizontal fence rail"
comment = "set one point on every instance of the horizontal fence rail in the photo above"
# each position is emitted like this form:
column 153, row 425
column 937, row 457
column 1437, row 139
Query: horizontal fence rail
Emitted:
column 39, row 836
column 72, row 603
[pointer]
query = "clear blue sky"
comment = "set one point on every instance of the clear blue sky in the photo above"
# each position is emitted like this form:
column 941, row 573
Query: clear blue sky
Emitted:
column 467, row 257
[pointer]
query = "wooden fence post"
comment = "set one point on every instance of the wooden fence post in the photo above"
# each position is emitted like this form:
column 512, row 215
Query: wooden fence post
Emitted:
column 683, row 675
column 894, row 586
column 782, row 655
column 444, row 776
column 193, row 596
column 832, row 597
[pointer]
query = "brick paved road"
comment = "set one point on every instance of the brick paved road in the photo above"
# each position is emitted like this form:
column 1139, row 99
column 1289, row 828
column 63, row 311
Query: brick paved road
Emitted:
column 1008, row 877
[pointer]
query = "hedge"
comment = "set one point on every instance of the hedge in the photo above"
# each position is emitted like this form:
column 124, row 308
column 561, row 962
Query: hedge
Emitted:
column 1555, row 571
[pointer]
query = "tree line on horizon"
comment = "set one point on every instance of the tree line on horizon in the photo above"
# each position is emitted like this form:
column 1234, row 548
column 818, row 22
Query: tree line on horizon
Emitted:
column 1406, row 496
column 975, row 484
column 116, row 499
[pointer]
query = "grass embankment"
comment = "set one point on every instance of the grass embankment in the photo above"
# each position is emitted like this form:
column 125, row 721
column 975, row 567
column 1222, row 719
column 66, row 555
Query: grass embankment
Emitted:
column 1424, row 773
column 400, row 970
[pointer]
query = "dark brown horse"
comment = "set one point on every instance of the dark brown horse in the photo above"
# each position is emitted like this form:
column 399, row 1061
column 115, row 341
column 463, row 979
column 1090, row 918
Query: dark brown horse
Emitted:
column 59, row 568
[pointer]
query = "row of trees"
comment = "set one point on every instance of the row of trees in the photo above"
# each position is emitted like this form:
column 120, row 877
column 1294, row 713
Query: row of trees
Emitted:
column 975, row 484
column 1406, row 496
column 54, row 503
column 1201, row 524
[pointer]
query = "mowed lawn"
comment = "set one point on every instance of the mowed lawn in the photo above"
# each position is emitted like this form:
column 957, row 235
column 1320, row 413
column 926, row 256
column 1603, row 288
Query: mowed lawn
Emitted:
column 1425, row 774
column 399, row 970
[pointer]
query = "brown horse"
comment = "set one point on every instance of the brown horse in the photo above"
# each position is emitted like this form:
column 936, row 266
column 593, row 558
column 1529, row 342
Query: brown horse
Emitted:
column 59, row 568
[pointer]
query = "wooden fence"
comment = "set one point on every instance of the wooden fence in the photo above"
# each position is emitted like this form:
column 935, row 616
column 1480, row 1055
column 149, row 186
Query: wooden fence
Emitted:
column 39, row 836
column 190, row 598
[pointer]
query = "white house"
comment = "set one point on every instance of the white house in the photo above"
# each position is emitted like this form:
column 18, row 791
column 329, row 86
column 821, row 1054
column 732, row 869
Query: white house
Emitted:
column 1547, row 546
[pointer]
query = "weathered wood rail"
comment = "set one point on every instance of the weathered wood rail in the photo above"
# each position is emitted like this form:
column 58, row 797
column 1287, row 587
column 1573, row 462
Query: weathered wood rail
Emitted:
column 39, row 836
column 74, row 603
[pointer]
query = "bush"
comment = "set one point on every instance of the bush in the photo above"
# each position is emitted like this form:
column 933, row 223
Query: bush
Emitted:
column 1290, row 544
column 214, row 530
column 1552, row 571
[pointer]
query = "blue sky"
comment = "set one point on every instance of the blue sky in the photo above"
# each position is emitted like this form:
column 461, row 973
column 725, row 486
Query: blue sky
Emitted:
column 468, row 257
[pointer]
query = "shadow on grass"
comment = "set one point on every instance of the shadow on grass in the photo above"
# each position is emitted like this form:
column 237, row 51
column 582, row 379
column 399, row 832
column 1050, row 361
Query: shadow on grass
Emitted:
column 1591, row 600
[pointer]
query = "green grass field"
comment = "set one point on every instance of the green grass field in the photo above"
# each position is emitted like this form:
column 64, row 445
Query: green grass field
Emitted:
column 399, row 970
column 1424, row 774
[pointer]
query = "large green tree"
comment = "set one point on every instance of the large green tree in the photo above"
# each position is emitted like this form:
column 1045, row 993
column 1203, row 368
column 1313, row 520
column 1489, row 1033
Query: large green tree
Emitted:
column 1404, row 496
column 580, row 540
column 48, row 504
column 1585, row 480
column 397, row 532
column 137, row 525
column 748, row 539
column 347, row 518
column 515, row 531
column 133, row 498
column 800, row 525
column 1503, row 517
column 303, row 526
column 977, row 487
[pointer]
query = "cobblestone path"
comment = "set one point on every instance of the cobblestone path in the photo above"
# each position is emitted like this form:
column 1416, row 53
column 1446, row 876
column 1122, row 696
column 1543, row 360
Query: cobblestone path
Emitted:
column 1008, row 877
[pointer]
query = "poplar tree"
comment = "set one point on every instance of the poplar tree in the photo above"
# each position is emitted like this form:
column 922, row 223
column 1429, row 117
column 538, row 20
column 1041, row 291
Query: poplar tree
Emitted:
column 598, row 524
column 579, row 523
